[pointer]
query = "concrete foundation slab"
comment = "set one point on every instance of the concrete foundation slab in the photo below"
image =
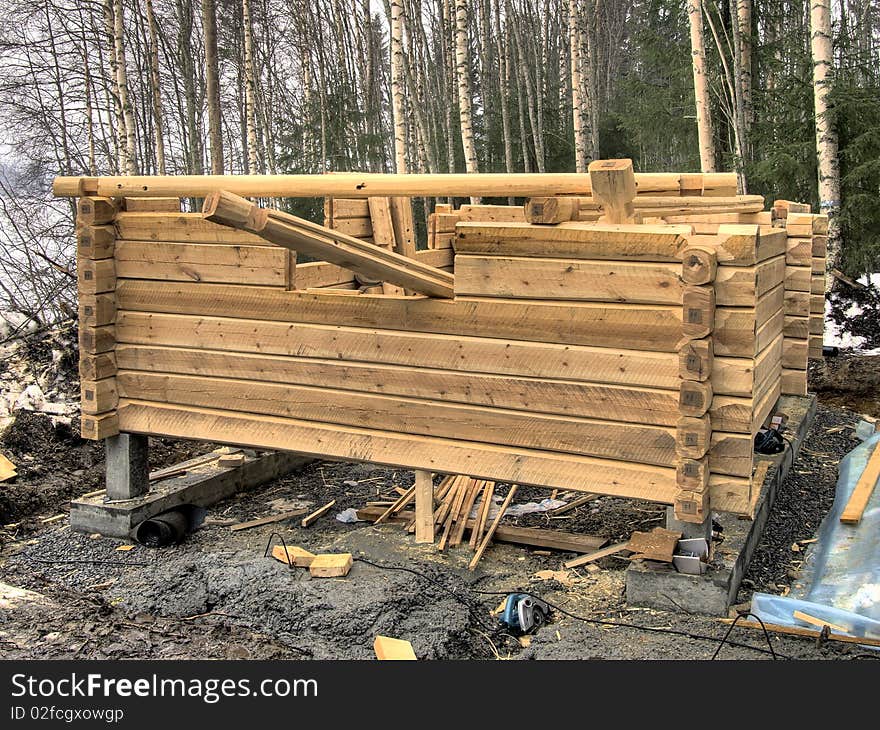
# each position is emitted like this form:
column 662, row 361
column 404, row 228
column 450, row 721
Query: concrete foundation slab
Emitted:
column 658, row 585
column 201, row 484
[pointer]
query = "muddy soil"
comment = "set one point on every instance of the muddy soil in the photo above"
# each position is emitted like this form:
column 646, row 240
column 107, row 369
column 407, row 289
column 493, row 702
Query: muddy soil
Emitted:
column 216, row 595
column 56, row 465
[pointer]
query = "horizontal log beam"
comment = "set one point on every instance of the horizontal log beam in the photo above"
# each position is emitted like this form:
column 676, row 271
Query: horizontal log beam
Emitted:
column 636, row 327
column 365, row 185
column 448, row 456
column 618, row 438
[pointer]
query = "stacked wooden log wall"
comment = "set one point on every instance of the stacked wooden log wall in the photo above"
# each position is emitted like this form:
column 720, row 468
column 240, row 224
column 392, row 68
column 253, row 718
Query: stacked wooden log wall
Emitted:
column 805, row 290
column 723, row 351
column 96, row 284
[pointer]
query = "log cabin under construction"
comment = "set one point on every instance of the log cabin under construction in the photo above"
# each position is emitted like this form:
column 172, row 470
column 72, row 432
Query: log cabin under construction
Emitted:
column 617, row 333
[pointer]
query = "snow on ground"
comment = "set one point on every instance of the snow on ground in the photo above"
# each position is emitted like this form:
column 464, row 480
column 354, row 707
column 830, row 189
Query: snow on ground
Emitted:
column 836, row 334
column 38, row 371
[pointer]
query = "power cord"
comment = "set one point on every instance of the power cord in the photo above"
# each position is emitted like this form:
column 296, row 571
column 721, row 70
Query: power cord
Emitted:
column 732, row 625
column 600, row 622
column 653, row 629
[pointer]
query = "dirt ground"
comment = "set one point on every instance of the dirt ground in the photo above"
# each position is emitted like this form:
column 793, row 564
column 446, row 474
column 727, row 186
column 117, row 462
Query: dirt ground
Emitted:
column 217, row 596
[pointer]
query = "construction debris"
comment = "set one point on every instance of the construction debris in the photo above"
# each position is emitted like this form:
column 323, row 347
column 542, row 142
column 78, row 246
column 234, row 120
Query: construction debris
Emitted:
column 603, row 553
column 659, row 544
column 331, row 565
column 293, row 555
column 306, row 521
column 388, row 649
column 268, row 520
column 7, row 469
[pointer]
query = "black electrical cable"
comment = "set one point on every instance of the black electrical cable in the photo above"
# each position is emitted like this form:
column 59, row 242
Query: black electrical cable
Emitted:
column 791, row 449
column 601, row 622
column 654, row 629
column 733, row 624
column 474, row 609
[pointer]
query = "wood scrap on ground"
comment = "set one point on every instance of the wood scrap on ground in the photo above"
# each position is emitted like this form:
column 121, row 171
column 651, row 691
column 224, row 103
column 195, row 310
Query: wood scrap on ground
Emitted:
column 574, row 504
column 858, row 500
column 531, row 536
column 293, row 555
column 482, row 515
column 388, row 649
column 7, row 469
column 280, row 517
column 331, row 565
column 603, row 553
column 821, row 623
column 308, row 520
column 491, row 531
column 659, row 544
column 398, row 505
column 804, row 632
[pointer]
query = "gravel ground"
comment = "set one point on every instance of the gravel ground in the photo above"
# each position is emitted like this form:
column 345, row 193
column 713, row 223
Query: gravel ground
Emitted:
column 217, row 596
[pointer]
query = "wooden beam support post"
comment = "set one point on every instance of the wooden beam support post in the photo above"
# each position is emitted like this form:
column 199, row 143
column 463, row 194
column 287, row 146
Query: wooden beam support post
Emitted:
column 614, row 186
column 424, row 506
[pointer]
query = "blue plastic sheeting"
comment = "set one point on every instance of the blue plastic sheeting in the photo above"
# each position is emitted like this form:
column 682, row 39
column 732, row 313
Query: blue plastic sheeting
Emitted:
column 840, row 580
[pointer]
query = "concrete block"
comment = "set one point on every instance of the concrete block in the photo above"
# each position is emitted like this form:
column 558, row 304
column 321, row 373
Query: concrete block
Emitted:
column 204, row 485
column 661, row 586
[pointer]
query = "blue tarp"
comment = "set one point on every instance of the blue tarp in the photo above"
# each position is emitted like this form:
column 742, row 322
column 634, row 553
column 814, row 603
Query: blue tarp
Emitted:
column 840, row 578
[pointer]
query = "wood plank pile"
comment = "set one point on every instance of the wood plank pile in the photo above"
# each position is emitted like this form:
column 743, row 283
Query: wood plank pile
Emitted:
column 607, row 355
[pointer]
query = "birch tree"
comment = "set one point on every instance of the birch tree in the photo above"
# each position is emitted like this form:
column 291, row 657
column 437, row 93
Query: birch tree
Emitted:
column 212, row 77
column 578, row 101
column 826, row 135
column 398, row 100
column 463, row 80
column 701, row 87
column 249, row 89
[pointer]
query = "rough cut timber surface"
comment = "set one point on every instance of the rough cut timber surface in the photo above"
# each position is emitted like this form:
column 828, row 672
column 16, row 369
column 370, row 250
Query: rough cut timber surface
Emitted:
column 365, row 185
column 337, row 248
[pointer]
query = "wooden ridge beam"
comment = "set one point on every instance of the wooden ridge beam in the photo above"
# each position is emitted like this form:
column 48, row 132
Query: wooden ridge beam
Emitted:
column 365, row 185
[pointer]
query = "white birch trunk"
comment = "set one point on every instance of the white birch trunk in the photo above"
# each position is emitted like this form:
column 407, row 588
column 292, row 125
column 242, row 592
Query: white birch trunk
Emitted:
column 397, row 75
column 129, row 146
column 826, row 135
column 158, row 123
column 250, row 96
column 578, row 102
column 701, row 87
column 463, row 78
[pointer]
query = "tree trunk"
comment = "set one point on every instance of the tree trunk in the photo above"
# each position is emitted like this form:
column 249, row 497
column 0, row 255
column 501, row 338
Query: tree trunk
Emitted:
column 525, row 81
column 701, row 87
column 195, row 156
column 130, row 162
column 90, row 124
column 739, row 106
column 463, row 78
column 504, row 89
column 398, row 101
column 744, row 25
column 212, row 78
column 578, row 105
column 158, row 125
column 826, row 135
column 250, row 95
